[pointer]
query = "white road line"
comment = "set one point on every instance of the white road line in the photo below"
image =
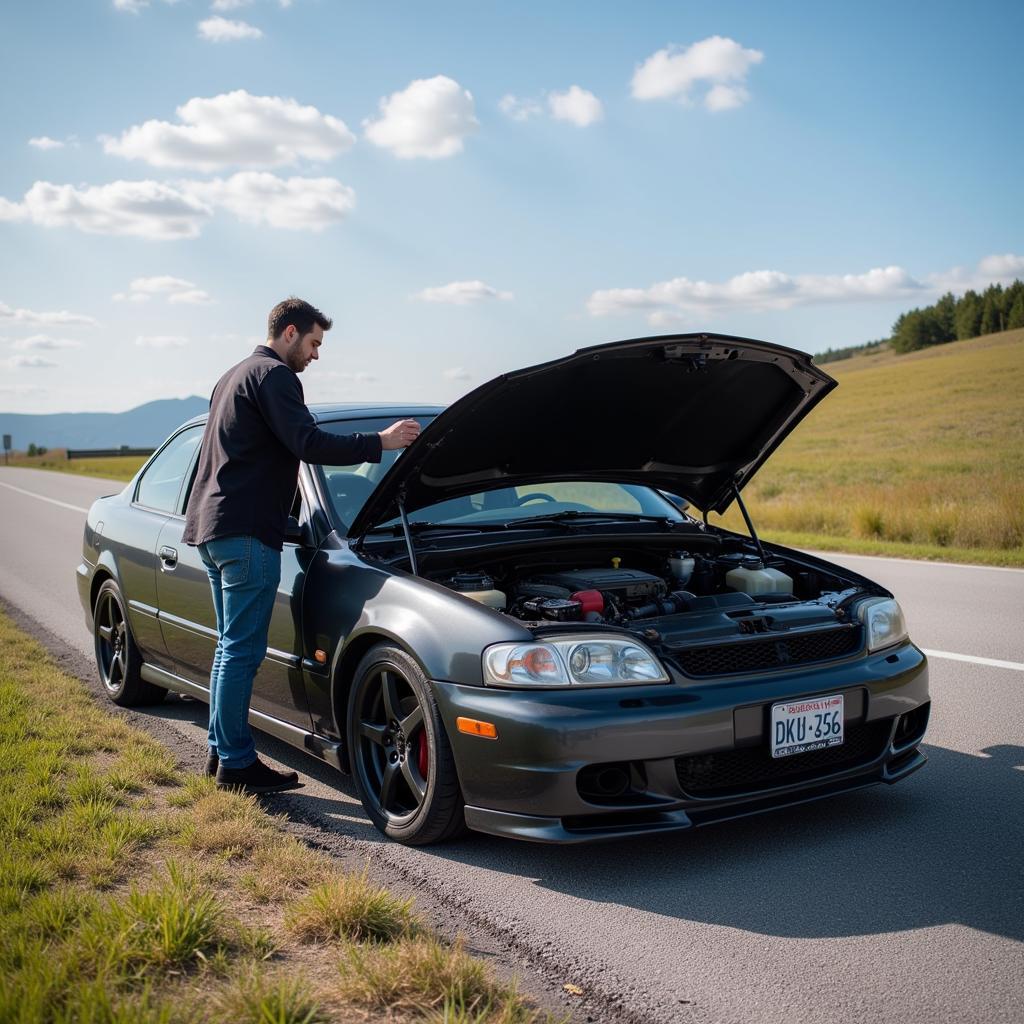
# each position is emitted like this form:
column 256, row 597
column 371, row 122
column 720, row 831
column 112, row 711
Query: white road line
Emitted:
column 992, row 662
column 835, row 556
column 42, row 497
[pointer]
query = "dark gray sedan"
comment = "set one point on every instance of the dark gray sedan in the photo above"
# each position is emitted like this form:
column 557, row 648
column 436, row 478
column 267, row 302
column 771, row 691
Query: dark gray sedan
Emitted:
column 520, row 625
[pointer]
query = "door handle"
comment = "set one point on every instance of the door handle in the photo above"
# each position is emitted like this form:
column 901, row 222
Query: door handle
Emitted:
column 168, row 558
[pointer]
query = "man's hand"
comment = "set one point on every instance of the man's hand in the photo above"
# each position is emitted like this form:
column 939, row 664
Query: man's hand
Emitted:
column 399, row 435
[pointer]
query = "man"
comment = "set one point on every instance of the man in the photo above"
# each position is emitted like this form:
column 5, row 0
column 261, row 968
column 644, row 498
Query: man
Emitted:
column 258, row 431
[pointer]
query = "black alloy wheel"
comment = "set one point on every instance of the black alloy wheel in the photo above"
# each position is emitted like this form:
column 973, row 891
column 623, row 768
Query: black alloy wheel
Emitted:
column 401, row 760
column 117, row 658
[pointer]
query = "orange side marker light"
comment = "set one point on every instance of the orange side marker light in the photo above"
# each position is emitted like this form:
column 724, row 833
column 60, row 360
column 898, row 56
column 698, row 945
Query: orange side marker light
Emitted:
column 320, row 657
column 476, row 728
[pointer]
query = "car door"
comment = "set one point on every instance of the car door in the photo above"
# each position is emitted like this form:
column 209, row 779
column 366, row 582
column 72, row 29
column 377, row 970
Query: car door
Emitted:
column 154, row 500
column 189, row 624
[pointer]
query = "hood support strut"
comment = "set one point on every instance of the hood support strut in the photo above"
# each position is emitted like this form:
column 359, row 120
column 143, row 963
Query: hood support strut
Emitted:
column 750, row 526
column 407, row 532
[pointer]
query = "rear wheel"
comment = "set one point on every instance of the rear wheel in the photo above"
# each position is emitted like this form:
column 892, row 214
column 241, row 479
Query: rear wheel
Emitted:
column 401, row 760
column 117, row 658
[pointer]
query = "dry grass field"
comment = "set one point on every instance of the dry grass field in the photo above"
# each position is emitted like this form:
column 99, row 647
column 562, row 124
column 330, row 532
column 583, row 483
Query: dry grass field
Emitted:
column 920, row 455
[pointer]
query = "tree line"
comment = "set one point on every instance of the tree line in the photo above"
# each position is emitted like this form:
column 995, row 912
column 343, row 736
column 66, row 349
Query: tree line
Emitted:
column 950, row 319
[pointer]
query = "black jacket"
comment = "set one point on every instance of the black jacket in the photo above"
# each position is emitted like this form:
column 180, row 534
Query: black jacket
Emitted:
column 258, row 430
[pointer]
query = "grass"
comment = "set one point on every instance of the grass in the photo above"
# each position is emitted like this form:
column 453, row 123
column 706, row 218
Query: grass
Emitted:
column 117, row 467
column 918, row 455
column 130, row 894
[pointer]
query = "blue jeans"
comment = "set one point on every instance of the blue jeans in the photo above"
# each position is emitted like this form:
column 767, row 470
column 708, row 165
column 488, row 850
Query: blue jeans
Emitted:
column 244, row 574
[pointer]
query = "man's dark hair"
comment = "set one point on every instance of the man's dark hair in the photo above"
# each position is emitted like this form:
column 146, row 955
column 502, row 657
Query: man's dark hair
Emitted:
column 297, row 312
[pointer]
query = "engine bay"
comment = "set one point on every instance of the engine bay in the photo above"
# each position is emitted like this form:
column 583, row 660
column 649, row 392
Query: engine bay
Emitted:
column 707, row 592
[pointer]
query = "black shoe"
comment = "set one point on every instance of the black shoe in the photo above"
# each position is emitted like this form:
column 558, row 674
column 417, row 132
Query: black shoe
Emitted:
column 212, row 763
column 256, row 778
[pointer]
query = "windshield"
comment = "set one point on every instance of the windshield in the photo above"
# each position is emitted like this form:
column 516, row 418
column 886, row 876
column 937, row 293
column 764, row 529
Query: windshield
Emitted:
column 348, row 487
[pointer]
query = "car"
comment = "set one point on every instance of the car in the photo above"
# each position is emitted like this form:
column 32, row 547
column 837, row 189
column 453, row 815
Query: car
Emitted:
column 519, row 624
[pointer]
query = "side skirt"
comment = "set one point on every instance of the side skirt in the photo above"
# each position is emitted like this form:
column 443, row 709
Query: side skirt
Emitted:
column 327, row 750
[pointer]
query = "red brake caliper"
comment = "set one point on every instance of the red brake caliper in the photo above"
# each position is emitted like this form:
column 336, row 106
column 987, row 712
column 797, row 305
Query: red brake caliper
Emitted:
column 421, row 753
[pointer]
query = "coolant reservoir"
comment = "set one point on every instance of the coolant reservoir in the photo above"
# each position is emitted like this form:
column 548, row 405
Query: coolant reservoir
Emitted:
column 751, row 577
column 681, row 566
column 478, row 587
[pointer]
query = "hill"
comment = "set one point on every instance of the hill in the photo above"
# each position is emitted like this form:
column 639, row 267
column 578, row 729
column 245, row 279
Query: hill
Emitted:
column 142, row 427
column 919, row 454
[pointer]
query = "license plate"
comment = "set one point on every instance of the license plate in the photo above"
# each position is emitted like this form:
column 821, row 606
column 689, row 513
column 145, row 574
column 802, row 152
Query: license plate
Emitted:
column 802, row 725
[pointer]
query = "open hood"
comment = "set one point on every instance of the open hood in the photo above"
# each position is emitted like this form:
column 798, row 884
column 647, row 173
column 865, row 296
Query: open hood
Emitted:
column 694, row 414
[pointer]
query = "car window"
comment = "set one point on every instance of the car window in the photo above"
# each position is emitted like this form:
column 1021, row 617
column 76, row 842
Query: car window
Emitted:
column 348, row 487
column 158, row 489
column 505, row 504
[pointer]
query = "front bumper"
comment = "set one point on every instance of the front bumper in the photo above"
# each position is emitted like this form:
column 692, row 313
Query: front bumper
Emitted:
column 693, row 752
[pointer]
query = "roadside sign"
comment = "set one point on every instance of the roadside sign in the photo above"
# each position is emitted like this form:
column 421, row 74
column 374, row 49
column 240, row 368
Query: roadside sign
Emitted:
column 7, row 447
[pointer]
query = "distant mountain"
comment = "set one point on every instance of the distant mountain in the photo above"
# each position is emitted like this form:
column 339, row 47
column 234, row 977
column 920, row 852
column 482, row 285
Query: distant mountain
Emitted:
column 142, row 427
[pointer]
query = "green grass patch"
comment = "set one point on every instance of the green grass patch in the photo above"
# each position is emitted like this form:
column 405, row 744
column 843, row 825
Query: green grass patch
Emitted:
column 117, row 467
column 351, row 907
column 132, row 895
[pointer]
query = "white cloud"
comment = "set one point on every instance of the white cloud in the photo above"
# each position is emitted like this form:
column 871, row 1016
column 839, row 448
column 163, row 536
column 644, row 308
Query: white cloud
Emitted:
column 298, row 204
column 31, row 363
column 759, row 289
column 193, row 297
column 229, row 5
column 577, row 105
column 224, row 30
column 130, row 6
column 1000, row 268
column 177, row 290
column 45, row 142
column 162, row 211
column 140, row 209
column 235, row 129
column 457, row 373
column 429, row 118
column 43, row 342
column 726, row 97
column 720, row 63
column 461, row 293
column 518, row 108
column 161, row 341
column 57, row 319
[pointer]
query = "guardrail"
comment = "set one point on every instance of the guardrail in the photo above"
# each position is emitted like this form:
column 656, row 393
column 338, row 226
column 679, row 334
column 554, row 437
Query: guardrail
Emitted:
column 101, row 453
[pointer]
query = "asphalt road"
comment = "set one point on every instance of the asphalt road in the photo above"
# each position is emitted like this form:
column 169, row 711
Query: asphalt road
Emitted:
column 892, row 904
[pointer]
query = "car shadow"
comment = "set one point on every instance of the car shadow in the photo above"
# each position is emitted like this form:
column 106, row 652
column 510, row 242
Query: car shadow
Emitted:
column 942, row 847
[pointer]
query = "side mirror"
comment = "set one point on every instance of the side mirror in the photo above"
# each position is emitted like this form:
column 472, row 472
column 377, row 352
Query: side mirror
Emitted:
column 294, row 533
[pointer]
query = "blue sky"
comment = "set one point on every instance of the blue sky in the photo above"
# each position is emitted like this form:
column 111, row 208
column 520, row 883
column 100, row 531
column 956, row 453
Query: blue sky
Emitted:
column 471, row 187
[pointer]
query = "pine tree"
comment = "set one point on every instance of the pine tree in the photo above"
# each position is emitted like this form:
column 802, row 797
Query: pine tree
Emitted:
column 945, row 318
column 991, row 313
column 968, row 316
column 1016, row 317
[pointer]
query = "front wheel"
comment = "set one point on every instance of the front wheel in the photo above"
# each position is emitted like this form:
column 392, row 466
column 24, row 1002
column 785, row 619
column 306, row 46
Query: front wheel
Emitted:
column 117, row 658
column 401, row 759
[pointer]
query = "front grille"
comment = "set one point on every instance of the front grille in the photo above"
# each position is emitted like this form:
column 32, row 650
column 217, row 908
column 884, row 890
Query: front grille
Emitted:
column 767, row 653
column 749, row 769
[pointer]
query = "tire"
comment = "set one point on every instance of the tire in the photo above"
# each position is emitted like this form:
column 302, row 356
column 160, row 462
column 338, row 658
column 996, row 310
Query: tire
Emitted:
column 118, row 661
column 407, row 803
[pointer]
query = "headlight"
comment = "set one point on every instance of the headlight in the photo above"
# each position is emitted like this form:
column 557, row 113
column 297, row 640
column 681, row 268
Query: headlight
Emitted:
column 572, row 661
column 883, row 619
